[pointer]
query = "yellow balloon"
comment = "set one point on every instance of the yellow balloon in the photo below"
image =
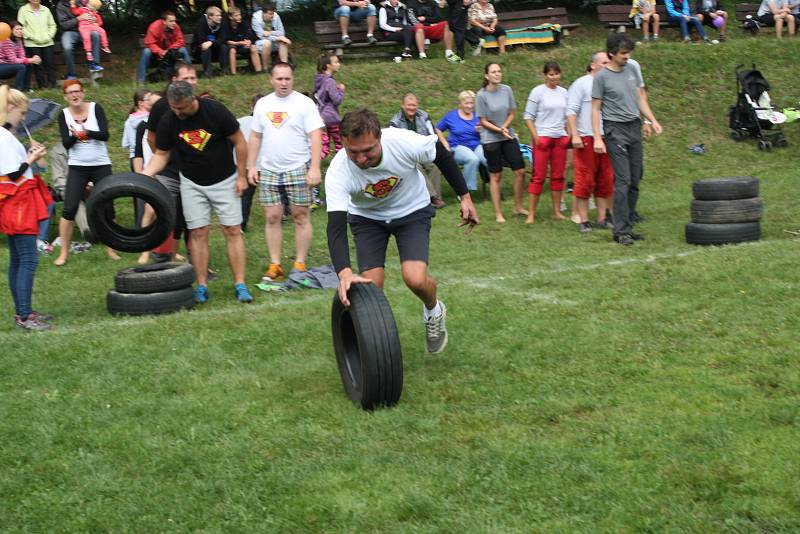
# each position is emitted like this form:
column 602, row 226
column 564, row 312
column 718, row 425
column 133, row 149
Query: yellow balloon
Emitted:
column 5, row 31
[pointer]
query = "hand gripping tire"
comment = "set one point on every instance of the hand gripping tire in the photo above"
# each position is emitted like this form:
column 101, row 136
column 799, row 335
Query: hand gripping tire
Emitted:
column 732, row 188
column 721, row 234
column 727, row 211
column 367, row 348
column 150, row 303
column 154, row 278
column 130, row 184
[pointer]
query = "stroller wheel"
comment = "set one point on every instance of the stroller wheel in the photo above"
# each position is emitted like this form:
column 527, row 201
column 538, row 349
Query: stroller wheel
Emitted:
column 781, row 143
column 764, row 145
column 736, row 135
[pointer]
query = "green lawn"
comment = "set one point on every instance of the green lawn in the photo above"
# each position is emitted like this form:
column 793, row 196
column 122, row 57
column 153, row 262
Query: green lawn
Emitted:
column 587, row 386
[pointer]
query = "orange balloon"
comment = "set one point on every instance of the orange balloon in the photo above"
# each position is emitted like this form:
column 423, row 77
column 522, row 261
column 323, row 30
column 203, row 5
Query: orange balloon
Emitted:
column 5, row 31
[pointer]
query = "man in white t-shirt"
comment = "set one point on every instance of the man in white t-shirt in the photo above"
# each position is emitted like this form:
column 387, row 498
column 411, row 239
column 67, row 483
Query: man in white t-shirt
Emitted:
column 375, row 186
column 283, row 154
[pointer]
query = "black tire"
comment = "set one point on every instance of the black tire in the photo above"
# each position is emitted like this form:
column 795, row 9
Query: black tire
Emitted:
column 367, row 348
column 154, row 278
column 130, row 184
column 727, row 211
column 721, row 234
column 731, row 188
column 150, row 303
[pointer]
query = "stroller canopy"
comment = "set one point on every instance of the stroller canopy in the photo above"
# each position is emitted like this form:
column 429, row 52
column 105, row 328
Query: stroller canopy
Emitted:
column 752, row 83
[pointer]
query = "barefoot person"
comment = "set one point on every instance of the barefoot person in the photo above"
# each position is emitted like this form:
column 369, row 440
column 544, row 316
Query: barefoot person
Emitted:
column 376, row 187
column 84, row 133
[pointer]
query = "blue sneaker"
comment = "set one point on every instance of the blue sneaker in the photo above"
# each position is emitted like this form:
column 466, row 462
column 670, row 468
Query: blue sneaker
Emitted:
column 242, row 293
column 94, row 67
column 201, row 294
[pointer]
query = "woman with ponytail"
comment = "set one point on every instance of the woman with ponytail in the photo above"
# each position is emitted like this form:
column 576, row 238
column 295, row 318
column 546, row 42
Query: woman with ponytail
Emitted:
column 23, row 204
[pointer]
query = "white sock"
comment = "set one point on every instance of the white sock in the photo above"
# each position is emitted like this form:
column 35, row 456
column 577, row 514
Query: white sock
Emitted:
column 345, row 36
column 369, row 35
column 437, row 310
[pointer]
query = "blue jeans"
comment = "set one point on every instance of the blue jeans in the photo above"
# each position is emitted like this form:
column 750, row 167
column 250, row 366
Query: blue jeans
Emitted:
column 471, row 160
column 356, row 15
column 17, row 70
column 44, row 224
column 147, row 57
column 684, row 24
column 68, row 40
column 23, row 259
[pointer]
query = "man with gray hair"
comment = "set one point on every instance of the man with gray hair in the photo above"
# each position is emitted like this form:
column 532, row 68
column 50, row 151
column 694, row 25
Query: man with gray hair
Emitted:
column 203, row 132
column 410, row 117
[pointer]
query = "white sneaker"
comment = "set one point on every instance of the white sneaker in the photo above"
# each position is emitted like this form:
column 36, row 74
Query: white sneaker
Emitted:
column 423, row 55
column 436, row 332
column 478, row 48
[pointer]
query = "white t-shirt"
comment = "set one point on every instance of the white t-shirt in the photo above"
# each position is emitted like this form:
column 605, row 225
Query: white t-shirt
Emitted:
column 392, row 189
column 12, row 155
column 579, row 103
column 285, row 124
column 547, row 107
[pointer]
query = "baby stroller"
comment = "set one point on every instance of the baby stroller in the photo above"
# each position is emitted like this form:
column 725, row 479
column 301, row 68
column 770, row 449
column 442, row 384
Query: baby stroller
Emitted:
column 753, row 114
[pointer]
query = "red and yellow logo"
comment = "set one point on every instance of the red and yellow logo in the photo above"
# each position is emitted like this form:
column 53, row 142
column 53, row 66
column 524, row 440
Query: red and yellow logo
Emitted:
column 382, row 188
column 277, row 118
column 197, row 139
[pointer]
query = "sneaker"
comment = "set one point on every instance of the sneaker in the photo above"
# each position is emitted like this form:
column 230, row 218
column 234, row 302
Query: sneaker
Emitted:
column 71, row 78
column 201, row 294
column 563, row 206
column 242, row 294
column 107, row 50
column 44, row 247
column 436, row 332
column 346, row 40
column 478, row 48
column 637, row 237
column 624, row 239
column 654, row 37
column 604, row 225
column 42, row 317
column 570, row 187
column 423, row 55
column 454, row 58
column 274, row 273
column 299, row 266
column 32, row 324
column 371, row 39
column 94, row 67
column 406, row 53
column 687, row 39
column 585, row 228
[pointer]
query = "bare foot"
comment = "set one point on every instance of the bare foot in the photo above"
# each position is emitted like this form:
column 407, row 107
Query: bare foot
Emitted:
column 60, row 261
column 575, row 218
column 529, row 220
column 500, row 218
column 178, row 257
column 113, row 255
column 520, row 211
column 559, row 217
column 144, row 257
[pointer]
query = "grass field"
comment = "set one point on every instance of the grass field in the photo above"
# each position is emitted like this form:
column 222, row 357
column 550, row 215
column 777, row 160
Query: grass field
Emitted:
column 587, row 386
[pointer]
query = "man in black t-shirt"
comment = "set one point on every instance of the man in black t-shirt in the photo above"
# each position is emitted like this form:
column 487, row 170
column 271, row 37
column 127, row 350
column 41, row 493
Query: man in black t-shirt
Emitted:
column 201, row 132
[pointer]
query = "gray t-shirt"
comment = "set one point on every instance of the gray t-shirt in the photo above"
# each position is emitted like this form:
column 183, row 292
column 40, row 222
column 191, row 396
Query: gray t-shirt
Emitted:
column 579, row 103
column 495, row 106
column 547, row 107
column 619, row 92
column 764, row 8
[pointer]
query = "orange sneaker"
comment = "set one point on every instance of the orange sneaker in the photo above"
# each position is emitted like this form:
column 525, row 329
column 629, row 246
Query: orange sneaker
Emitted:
column 274, row 273
column 299, row 266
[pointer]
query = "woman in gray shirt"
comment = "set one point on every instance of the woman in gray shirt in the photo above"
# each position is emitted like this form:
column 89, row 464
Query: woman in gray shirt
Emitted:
column 496, row 108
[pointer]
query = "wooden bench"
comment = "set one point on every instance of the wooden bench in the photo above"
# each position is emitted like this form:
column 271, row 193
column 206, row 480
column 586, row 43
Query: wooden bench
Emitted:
column 329, row 37
column 616, row 16
column 742, row 10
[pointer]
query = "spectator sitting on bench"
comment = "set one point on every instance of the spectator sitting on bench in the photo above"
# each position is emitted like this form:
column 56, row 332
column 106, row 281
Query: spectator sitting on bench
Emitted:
column 270, row 34
column 428, row 23
column 679, row 15
column 393, row 20
column 776, row 13
column 710, row 13
column 483, row 17
column 643, row 12
column 207, row 42
column 164, row 41
column 239, row 40
column 356, row 10
column 68, row 23
column 13, row 63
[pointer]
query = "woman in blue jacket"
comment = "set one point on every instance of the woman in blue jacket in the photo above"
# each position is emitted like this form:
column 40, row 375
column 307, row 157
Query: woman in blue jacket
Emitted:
column 680, row 14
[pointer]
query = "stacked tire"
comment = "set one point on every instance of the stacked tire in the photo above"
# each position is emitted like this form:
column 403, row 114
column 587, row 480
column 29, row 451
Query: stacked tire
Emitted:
column 725, row 210
column 152, row 289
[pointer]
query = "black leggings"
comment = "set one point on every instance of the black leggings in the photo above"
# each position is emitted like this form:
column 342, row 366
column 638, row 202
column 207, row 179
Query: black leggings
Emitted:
column 77, row 179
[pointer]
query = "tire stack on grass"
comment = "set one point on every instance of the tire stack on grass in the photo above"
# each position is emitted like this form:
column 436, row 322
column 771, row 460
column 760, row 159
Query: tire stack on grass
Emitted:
column 152, row 289
column 725, row 210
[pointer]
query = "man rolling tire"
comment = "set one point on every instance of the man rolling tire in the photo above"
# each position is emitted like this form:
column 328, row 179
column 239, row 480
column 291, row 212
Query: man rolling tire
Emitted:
column 375, row 187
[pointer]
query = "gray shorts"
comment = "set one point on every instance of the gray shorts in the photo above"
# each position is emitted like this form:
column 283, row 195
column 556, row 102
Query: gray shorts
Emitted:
column 198, row 202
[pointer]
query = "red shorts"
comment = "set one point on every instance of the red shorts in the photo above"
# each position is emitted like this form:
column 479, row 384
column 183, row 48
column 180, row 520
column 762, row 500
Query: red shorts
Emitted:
column 593, row 172
column 434, row 32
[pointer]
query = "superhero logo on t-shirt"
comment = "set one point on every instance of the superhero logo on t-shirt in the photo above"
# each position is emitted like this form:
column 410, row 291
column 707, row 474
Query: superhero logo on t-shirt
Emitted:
column 277, row 118
column 197, row 139
column 382, row 188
